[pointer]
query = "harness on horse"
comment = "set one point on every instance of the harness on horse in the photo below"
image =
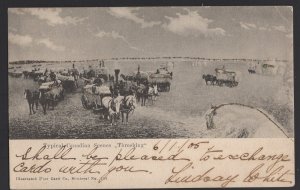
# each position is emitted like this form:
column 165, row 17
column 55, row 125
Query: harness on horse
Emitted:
column 112, row 105
column 127, row 108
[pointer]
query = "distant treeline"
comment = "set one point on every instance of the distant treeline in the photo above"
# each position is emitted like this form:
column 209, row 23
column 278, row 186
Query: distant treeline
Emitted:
column 138, row 58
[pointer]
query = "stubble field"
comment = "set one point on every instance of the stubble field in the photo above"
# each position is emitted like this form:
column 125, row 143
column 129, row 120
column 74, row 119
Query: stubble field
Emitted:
column 175, row 114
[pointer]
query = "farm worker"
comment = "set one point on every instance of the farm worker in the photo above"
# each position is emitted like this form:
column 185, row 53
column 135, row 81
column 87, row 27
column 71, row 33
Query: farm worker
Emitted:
column 58, row 82
column 98, row 81
column 52, row 75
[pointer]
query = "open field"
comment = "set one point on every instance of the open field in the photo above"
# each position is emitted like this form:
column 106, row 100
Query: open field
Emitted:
column 176, row 114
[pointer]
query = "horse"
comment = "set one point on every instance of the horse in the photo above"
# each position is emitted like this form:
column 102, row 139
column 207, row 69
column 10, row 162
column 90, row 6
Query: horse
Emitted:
column 26, row 74
column 152, row 93
column 251, row 71
column 155, row 92
column 46, row 98
column 142, row 94
column 32, row 98
column 43, row 79
column 210, row 78
column 49, row 98
column 112, row 106
column 128, row 105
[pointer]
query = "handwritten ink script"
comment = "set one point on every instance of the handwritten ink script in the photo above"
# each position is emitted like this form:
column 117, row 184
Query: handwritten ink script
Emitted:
column 161, row 163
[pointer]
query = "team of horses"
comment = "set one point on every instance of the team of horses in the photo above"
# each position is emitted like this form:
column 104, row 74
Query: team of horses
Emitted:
column 121, row 103
column 43, row 97
column 146, row 93
column 116, row 106
column 47, row 97
column 124, row 101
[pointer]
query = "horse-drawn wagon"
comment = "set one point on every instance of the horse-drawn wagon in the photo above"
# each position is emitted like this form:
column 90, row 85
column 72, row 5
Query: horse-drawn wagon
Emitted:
column 68, row 82
column 225, row 77
column 163, row 81
column 16, row 74
column 141, row 77
column 50, row 94
column 106, row 98
column 54, row 88
column 92, row 96
column 36, row 74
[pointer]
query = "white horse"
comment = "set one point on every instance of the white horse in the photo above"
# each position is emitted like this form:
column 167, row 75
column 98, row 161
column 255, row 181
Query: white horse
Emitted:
column 112, row 106
column 128, row 105
column 153, row 93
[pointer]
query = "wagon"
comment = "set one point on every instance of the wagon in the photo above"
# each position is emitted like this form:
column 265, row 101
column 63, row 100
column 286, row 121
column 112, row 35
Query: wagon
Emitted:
column 225, row 77
column 165, row 72
column 163, row 81
column 35, row 74
column 15, row 74
column 55, row 88
column 142, row 77
column 92, row 96
column 69, row 83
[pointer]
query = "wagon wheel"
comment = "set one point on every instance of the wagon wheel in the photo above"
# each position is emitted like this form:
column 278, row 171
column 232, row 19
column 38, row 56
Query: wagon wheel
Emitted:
column 94, row 105
column 62, row 95
column 168, row 87
column 84, row 102
column 73, row 87
column 236, row 83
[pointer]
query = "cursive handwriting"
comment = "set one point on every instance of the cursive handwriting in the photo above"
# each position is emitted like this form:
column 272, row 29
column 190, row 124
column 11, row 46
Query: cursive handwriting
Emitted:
column 83, row 168
column 61, row 154
column 129, row 155
column 187, row 162
column 277, row 174
column 121, row 168
column 183, row 176
column 35, row 168
column 92, row 156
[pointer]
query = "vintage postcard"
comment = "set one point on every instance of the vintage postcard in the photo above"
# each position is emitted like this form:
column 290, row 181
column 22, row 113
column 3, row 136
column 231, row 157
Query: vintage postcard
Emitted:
column 151, row 97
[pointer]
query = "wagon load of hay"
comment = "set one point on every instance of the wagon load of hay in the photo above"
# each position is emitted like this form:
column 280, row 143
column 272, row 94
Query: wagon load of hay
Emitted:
column 269, row 69
column 97, row 90
column 92, row 96
column 16, row 74
column 47, row 85
column 223, row 74
column 141, row 75
column 65, row 78
column 225, row 77
column 64, row 73
column 163, row 81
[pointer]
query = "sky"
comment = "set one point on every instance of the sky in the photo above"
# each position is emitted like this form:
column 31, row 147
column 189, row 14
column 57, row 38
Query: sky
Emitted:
column 97, row 33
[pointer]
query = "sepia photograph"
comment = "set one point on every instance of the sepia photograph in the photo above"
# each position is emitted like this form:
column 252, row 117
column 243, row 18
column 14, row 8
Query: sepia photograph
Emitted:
column 151, row 72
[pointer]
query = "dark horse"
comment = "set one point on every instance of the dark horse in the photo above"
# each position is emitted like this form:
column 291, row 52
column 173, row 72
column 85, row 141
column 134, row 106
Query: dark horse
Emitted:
column 26, row 74
column 142, row 94
column 128, row 105
column 46, row 99
column 251, row 71
column 32, row 98
column 210, row 78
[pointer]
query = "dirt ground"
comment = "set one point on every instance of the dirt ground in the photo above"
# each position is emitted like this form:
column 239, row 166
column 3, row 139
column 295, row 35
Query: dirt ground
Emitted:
column 176, row 114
